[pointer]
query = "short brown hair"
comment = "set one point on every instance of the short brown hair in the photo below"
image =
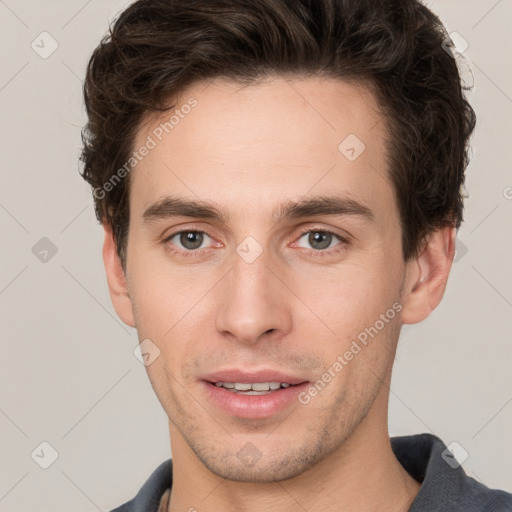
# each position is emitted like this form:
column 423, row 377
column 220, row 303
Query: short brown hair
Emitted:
column 156, row 48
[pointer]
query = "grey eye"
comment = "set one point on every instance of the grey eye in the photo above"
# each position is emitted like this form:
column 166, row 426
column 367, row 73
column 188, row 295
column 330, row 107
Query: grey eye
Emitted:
column 320, row 240
column 189, row 240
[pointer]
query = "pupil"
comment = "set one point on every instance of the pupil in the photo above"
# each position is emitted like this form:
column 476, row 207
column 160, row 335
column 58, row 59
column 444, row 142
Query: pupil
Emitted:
column 191, row 240
column 323, row 240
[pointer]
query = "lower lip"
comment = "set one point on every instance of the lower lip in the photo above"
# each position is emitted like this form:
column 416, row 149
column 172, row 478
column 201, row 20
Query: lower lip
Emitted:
column 253, row 406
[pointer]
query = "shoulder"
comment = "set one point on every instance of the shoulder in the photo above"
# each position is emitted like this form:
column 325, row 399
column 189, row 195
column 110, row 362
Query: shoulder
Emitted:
column 150, row 496
column 444, row 484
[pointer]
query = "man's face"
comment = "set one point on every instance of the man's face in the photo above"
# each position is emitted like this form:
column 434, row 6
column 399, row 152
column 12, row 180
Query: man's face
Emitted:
column 251, row 292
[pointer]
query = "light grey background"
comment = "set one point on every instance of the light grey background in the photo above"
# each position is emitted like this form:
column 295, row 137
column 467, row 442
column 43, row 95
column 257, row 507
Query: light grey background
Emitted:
column 68, row 373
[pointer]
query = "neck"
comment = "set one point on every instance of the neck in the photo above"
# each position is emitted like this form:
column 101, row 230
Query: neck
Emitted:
column 360, row 475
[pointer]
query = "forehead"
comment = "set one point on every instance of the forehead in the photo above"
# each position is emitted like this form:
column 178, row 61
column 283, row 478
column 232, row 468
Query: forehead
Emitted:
column 253, row 146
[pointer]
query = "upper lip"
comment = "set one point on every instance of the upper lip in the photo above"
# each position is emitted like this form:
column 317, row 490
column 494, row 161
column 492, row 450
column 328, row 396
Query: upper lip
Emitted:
column 250, row 377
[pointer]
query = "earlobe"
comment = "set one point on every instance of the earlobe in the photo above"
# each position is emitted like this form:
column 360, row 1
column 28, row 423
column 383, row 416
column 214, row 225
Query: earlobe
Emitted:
column 116, row 279
column 427, row 276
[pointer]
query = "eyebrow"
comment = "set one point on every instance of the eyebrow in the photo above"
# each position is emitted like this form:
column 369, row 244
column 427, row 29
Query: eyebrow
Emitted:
column 175, row 206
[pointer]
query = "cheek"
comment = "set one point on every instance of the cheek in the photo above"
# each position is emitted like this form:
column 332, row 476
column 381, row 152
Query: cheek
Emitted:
column 353, row 295
column 350, row 302
column 172, row 308
column 163, row 293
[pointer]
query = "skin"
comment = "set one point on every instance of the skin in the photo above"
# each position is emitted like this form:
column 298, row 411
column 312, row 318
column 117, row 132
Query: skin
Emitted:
column 249, row 149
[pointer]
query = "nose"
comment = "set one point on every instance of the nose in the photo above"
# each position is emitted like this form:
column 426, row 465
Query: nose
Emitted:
column 254, row 301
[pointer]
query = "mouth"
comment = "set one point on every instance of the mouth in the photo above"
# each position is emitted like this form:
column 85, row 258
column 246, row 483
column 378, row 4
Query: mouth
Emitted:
column 252, row 394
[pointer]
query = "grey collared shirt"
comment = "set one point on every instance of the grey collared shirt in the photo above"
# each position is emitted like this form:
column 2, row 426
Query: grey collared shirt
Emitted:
column 445, row 487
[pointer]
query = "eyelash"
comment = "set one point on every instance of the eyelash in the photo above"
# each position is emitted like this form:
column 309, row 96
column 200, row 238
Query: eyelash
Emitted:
column 344, row 242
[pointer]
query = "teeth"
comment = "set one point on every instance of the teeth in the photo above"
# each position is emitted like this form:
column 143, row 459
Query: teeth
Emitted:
column 241, row 386
column 256, row 388
column 260, row 386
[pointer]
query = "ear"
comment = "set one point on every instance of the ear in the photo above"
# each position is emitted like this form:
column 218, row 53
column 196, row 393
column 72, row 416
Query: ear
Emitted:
column 116, row 279
column 427, row 275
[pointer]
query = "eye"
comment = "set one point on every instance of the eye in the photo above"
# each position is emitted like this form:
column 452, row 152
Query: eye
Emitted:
column 320, row 240
column 189, row 240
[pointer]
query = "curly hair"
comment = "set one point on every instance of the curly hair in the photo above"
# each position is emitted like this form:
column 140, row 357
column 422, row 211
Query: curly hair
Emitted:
column 155, row 49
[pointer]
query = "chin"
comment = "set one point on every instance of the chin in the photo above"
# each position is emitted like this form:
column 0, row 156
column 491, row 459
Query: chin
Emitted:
column 252, row 466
